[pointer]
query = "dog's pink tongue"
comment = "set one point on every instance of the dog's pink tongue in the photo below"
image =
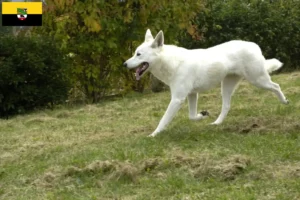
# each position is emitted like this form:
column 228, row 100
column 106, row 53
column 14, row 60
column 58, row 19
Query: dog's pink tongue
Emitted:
column 137, row 74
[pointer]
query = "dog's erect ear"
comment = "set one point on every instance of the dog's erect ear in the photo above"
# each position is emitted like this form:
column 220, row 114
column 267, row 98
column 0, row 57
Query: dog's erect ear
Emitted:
column 148, row 36
column 159, row 40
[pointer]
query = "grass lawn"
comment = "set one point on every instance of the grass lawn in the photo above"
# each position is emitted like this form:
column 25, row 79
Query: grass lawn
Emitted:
column 101, row 151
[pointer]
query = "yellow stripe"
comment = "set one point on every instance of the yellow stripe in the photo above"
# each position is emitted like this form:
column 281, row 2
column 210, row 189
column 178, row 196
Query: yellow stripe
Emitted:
column 11, row 7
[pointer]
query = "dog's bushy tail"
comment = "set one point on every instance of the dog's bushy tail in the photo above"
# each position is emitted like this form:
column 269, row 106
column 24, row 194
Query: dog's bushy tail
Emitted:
column 272, row 65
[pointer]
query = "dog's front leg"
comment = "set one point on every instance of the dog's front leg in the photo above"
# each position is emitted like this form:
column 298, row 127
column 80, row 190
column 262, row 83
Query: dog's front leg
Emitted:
column 172, row 109
column 193, row 115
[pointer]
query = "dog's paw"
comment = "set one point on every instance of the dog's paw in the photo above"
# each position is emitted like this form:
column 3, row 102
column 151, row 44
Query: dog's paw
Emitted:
column 215, row 123
column 152, row 135
column 287, row 101
column 201, row 115
column 204, row 113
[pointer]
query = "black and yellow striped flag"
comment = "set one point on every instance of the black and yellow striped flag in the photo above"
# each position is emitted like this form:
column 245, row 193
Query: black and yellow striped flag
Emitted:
column 22, row 13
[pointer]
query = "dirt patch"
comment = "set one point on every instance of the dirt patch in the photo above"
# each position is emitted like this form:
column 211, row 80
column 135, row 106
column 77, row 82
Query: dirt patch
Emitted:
column 151, row 164
column 248, row 129
column 182, row 160
column 178, row 161
column 255, row 125
column 227, row 169
column 94, row 167
column 126, row 172
column 202, row 167
column 232, row 167
column 47, row 180
column 113, row 170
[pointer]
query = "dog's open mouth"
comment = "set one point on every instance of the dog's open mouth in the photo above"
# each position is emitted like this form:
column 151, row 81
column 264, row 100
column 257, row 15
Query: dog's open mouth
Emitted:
column 140, row 70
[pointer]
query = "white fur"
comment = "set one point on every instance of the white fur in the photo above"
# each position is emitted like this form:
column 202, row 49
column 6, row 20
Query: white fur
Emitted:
column 189, row 72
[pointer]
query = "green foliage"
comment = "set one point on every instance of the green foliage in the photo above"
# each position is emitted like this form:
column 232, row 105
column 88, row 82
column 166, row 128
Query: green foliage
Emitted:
column 103, row 34
column 273, row 25
column 32, row 74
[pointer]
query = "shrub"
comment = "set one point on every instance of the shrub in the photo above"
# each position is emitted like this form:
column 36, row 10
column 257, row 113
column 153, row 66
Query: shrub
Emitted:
column 103, row 34
column 33, row 74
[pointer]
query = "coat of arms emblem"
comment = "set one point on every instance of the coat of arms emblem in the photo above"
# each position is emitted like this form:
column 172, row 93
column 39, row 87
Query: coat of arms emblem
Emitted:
column 22, row 13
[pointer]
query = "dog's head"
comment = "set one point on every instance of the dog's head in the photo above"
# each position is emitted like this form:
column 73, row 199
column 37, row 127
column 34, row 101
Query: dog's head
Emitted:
column 146, row 54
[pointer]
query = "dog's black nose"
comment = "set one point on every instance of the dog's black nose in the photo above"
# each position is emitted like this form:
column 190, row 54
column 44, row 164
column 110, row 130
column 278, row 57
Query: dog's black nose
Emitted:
column 125, row 64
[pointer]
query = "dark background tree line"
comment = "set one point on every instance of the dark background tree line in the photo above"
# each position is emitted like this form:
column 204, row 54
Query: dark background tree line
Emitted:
column 79, row 50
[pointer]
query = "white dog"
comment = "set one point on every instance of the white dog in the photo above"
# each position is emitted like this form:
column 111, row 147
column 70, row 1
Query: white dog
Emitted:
column 189, row 72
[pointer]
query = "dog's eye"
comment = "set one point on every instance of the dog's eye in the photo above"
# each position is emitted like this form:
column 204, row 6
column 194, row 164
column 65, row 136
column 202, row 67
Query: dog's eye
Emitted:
column 138, row 54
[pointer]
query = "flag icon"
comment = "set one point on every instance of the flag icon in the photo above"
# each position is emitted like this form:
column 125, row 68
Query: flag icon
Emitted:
column 22, row 13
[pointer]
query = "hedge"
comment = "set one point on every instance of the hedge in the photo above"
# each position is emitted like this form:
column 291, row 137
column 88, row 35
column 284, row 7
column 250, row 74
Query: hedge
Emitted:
column 33, row 74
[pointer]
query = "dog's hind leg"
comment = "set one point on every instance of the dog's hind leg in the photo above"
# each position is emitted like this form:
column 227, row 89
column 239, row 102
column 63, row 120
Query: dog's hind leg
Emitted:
column 193, row 115
column 228, row 86
column 265, row 82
